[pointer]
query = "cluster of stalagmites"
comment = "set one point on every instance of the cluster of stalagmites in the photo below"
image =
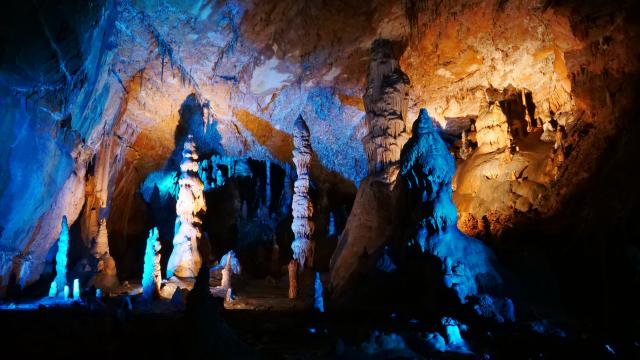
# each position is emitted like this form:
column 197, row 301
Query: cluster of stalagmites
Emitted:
column 385, row 100
column 185, row 260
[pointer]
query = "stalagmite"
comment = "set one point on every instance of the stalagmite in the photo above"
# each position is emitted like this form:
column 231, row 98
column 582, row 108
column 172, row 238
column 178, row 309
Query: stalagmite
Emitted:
column 61, row 256
column 492, row 128
column 76, row 289
column 318, row 301
column 293, row 279
column 53, row 289
column 185, row 259
column 465, row 150
column 428, row 168
column 231, row 266
column 65, row 292
column 152, row 273
column 527, row 118
column 101, row 244
column 226, row 275
column 302, row 226
column 386, row 101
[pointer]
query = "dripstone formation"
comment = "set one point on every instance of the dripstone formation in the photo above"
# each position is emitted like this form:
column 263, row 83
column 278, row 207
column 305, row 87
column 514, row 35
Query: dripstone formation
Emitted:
column 185, row 260
column 428, row 166
column 302, row 225
column 385, row 100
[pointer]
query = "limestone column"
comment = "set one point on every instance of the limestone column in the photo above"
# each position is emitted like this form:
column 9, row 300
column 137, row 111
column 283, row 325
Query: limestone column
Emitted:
column 185, row 259
column 302, row 225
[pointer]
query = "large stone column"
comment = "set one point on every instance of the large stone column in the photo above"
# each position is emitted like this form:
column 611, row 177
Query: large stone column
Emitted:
column 185, row 259
column 302, row 226
column 371, row 222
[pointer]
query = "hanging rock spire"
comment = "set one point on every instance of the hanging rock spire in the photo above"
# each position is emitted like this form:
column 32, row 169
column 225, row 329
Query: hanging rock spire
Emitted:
column 302, row 226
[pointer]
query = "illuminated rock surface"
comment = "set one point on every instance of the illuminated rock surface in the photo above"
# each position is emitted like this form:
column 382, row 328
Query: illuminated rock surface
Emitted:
column 301, row 206
column 97, row 99
column 185, row 260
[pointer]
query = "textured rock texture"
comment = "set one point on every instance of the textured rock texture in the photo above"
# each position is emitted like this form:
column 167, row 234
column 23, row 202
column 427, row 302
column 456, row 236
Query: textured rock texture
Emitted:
column 93, row 93
column 385, row 100
column 185, row 259
column 302, row 208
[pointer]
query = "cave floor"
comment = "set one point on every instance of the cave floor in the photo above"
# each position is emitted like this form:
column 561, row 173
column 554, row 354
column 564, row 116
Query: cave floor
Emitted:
column 261, row 295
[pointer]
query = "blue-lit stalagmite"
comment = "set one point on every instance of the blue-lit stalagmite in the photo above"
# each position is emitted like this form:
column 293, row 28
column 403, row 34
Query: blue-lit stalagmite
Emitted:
column 428, row 166
column 152, row 275
column 61, row 256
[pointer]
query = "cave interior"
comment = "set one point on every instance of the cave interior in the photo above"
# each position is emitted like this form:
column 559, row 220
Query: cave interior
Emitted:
column 320, row 179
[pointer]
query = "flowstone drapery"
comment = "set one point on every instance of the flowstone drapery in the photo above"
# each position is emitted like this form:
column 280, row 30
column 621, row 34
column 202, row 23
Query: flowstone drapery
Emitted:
column 185, row 259
column 302, row 225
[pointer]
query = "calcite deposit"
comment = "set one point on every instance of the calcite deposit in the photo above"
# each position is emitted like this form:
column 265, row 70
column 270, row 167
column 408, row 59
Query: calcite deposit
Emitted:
column 185, row 260
column 385, row 100
column 536, row 100
column 302, row 208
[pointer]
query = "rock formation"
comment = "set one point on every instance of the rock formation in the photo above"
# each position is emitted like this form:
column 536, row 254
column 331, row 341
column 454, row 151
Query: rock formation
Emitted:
column 371, row 221
column 62, row 255
column 152, row 272
column 492, row 128
column 386, row 99
column 292, row 269
column 465, row 149
column 101, row 244
column 76, row 289
column 230, row 266
column 428, row 167
column 318, row 299
column 185, row 259
column 302, row 225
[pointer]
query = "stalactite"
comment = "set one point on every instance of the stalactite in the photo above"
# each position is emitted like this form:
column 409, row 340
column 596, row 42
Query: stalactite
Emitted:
column 302, row 226
column 185, row 259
